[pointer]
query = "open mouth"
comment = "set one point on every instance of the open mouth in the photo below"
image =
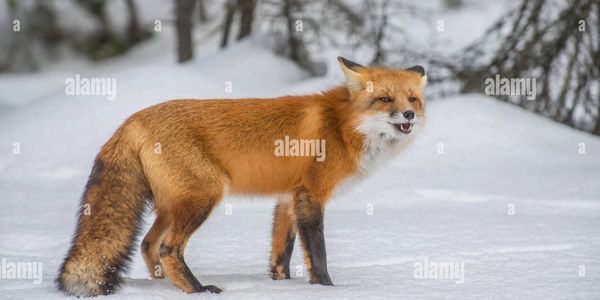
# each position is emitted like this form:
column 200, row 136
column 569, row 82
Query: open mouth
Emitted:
column 404, row 127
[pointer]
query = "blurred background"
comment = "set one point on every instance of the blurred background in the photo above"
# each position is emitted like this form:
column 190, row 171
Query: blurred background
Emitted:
column 505, row 184
column 462, row 42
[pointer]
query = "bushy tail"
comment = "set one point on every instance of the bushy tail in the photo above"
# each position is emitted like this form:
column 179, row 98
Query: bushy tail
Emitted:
column 109, row 218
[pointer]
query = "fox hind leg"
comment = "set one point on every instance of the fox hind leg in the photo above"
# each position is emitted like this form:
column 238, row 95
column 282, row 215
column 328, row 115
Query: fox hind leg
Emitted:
column 189, row 216
column 282, row 244
column 187, row 186
column 151, row 245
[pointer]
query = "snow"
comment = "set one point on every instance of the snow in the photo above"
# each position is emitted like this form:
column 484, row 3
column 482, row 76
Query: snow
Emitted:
column 450, row 206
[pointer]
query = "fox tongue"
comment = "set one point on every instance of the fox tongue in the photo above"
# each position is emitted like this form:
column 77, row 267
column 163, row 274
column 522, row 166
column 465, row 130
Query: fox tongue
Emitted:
column 405, row 126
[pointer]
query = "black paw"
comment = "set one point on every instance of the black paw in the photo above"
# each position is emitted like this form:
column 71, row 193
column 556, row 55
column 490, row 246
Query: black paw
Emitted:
column 322, row 280
column 328, row 283
column 211, row 289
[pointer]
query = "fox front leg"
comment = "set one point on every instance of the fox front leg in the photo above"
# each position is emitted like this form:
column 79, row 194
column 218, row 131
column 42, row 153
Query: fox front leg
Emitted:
column 309, row 221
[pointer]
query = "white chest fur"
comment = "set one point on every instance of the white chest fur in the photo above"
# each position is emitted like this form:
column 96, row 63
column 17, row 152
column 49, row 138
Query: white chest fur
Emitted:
column 382, row 142
column 376, row 152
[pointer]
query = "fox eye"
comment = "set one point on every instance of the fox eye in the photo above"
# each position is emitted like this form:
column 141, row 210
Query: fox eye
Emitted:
column 412, row 99
column 385, row 99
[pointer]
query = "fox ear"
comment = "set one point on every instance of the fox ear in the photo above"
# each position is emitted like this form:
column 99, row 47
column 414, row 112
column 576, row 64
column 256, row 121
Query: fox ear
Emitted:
column 352, row 73
column 421, row 71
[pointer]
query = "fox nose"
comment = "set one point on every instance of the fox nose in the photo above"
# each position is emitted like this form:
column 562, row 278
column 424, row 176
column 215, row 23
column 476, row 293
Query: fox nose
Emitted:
column 409, row 114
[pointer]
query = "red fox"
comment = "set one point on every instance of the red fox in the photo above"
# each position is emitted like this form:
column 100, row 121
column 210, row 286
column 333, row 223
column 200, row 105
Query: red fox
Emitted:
column 183, row 156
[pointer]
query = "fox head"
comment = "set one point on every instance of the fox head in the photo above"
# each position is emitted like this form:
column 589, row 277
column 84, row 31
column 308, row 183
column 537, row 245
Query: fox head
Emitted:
column 389, row 102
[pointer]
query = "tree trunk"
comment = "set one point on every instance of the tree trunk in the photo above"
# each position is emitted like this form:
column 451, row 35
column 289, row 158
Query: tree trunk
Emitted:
column 202, row 12
column 230, row 8
column 184, row 29
column 293, row 42
column 247, row 11
column 596, row 130
column 134, row 32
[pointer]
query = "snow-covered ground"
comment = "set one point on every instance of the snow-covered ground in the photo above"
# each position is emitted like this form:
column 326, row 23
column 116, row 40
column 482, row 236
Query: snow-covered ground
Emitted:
column 510, row 196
